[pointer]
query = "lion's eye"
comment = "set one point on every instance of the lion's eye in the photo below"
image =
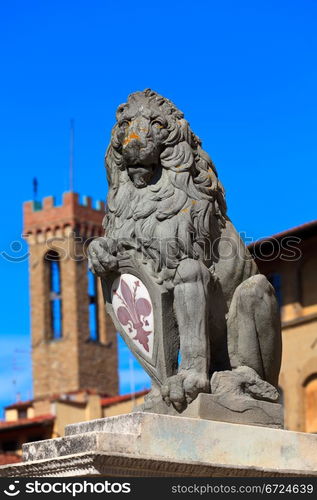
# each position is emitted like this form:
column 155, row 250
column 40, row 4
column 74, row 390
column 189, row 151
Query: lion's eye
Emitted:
column 124, row 123
column 158, row 123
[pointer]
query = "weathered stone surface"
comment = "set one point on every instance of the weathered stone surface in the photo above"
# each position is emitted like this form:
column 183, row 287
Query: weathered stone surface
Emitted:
column 60, row 447
column 144, row 442
column 238, row 410
column 176, row 276
column 131, row 423
column 228, row 408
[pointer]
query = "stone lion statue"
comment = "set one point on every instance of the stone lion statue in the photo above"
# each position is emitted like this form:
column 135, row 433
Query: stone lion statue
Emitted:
column 166, row 204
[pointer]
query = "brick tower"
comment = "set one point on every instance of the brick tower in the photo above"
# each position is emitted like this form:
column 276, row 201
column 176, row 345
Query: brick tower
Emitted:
column 74, row 345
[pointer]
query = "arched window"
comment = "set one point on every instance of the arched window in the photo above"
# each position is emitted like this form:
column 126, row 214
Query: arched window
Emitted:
column 308, row 282
column 55, row 294
column 310, row 403
column 275, row 280
column 93, row 307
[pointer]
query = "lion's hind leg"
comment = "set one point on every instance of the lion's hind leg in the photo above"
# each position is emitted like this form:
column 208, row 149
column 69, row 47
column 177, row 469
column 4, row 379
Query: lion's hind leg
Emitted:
column 254, row 331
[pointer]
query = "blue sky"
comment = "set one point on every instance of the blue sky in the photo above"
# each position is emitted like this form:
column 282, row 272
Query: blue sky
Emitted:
column 243, row 72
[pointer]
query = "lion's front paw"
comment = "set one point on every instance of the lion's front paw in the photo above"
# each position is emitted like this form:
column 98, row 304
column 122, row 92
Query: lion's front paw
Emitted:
column 100, row 261
column 183, row 388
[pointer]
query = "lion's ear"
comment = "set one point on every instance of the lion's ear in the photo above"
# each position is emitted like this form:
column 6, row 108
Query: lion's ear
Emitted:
column 184, row 125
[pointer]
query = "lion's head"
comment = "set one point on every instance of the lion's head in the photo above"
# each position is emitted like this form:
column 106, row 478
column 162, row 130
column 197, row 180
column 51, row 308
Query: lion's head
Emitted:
column 157, row 170
column 146, row 125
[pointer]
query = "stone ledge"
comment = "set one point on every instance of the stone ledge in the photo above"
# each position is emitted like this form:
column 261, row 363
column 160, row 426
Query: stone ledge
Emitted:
column 80, row 443
column 139, row 443
column 116, row 465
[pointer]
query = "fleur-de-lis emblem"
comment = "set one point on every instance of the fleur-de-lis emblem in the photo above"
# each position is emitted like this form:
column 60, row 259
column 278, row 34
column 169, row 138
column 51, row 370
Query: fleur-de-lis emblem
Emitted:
column 133, row 312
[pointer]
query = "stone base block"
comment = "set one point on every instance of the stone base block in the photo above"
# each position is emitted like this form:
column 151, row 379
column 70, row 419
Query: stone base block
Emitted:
column 145, row 444
column 232, row 409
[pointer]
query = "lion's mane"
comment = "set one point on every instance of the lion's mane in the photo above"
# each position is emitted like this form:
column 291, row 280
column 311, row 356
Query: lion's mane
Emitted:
column 187, row 200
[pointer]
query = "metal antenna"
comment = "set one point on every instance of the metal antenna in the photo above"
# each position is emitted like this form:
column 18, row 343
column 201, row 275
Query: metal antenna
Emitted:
column 35, row 188
column 14, row 383
column 71, row 156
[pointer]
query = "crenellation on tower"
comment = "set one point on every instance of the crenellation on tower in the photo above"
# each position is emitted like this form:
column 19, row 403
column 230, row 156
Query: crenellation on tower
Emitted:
column 46, row 216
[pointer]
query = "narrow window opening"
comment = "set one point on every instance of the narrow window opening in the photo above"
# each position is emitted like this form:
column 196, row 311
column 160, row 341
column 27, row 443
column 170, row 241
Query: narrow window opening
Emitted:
column 308, row 282
column 22, row 413
column 55, row 291
column 93, row 307
column 8, row 446
column 275, row 280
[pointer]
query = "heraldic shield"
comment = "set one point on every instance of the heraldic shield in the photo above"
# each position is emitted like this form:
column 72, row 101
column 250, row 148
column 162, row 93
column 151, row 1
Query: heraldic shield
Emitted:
column 142, row 312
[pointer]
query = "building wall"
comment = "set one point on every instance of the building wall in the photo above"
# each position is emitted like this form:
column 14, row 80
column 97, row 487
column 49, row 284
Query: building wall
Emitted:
column 121, row 408
column 298, row 293
column 11, row 415
column 66, row 414
column 55, row 362
column 42, row 406
column 299, row 362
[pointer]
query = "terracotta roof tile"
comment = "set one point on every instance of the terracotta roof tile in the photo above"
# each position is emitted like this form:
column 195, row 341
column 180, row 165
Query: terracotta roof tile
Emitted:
column 287, row 232
column 19, row 404
column 120, row 399
column 9, row 458
column 23, row 422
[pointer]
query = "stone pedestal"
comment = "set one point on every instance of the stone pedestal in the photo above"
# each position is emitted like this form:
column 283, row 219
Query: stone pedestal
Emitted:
column 145, row 444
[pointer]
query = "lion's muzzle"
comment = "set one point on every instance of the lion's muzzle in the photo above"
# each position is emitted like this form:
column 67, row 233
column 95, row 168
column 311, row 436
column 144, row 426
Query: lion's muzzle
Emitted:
column 139, row 146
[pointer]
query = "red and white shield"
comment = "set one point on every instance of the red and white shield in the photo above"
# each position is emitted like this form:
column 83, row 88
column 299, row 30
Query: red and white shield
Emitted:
column 133, row 308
